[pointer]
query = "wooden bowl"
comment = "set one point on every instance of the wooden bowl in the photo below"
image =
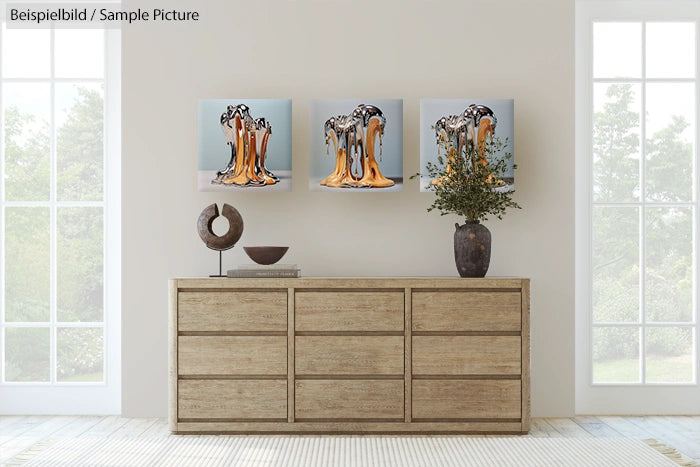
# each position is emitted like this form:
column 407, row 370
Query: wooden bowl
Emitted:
column 265, row 254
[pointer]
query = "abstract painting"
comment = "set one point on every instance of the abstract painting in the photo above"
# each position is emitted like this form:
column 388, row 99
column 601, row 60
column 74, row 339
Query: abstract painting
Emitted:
column 465, row 128
column 245, row 144
column 356, row 145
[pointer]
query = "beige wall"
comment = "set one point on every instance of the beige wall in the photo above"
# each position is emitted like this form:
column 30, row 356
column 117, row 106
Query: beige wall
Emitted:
column 308, row 49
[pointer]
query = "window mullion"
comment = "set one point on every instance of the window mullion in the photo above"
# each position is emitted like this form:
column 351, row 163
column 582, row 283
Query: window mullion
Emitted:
column 653, row 324
column 642, row 213
column 60, row 204
column 52, row 216
column 2, row 220
column 696, row 174
column 105, row 188
column 661, row 204
column 55, row 80
column 590, row 200
column 640, row 80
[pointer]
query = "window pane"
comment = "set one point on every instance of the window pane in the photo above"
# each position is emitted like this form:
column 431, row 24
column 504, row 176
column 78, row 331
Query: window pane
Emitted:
column 79, row 142
column 615, row 264
column 27, row 354
column 669, row 355
column 615, row 355
column 616, row 142
column 669, row 266
column 670, row 50
column 670, row 135
column 27, row 141
column 79, row 264
column 617, row 50
column 80, row 354
column 89, row 63
column 26, row 53
column 27, row 264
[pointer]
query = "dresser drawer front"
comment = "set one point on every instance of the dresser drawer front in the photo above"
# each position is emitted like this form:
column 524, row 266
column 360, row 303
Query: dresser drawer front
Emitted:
column 466, row 311
column 227, row 399
column 466, row 399
column 349, row 355
column 232, row 355
column 349, row 399
column 349, row 311
column 466, row 355
column 232, row 311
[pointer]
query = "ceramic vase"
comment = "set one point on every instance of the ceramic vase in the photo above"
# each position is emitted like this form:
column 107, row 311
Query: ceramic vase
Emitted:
column 472, row 249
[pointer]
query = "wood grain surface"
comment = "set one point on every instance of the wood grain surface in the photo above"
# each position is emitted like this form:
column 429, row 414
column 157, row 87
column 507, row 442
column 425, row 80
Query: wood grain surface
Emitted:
column 466, row 311
column 232, row 311
column 350, row 355
column 349, row 311
column 264, row 399
column 466, row 355
column 221, row 284
column 232, row 355
column 466, row 399
column 347, row 355
column 525, row 355
column 349, row 399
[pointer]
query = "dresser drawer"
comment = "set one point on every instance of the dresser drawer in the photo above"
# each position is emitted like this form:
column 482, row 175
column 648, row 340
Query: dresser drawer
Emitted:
column 232, row 311
column 232, row 399
column 466, row 311
column 466, row 399
column 466, row 355
column 349, row 311
column 232, row 355
column 349, row 355
column 349, row 399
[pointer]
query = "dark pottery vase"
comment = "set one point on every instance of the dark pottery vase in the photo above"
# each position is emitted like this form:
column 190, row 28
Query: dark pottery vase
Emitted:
column 472, row 249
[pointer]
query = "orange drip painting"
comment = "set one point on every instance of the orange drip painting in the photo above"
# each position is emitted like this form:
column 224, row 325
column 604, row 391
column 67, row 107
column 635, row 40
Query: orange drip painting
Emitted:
column 463, row 128
column 363, row 143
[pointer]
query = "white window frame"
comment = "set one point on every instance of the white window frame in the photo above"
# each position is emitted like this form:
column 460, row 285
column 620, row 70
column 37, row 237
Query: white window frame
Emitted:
column 79, row 398
column 635, row 398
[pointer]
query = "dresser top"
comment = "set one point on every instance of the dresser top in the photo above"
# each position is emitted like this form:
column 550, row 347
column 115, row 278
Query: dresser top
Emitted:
column 353, row 282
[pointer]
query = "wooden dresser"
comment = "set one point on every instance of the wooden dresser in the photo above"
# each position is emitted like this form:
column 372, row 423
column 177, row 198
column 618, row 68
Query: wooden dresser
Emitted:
column 341, row 355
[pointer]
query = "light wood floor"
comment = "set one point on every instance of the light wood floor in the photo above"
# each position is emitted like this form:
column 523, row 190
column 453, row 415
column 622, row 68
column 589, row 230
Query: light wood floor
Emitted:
column 17, row 433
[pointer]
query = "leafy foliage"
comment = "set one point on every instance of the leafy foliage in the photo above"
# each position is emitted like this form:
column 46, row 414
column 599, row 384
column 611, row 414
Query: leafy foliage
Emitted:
column 79, row 149
column 470, row 189
column 79, row 354
column 79, row 241
column 616, row 147
column 26, row 234
column 33, row 363
column 27, row 168
column 668, row 271
column 669, row 164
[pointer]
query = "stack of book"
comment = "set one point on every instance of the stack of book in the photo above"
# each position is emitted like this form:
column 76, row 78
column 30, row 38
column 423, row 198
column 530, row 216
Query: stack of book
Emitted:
column 270, row 270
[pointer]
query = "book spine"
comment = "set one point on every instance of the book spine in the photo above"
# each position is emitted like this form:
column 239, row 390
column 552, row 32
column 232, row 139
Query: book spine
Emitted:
column 267, row 267
column 256, row 273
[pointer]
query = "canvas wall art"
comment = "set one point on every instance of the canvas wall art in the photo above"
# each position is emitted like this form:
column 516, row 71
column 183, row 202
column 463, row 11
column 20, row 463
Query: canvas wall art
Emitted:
column 356, row 145
column 463, row 128
column 245, row 144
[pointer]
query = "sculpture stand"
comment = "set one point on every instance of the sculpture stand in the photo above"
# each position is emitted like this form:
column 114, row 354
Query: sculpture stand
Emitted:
column 220, row 270
column 226, row 241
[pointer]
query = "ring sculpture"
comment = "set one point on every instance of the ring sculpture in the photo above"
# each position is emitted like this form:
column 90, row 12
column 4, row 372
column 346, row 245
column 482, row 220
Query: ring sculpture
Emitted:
column 248, row 139
column 223, row 242
column 460, row 133
column 353, row 138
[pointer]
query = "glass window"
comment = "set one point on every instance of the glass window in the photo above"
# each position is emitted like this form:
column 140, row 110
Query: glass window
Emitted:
column 643, row 208
column 54, row 206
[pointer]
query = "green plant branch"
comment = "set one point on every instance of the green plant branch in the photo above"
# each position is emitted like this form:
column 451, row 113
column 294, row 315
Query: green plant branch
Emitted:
column 467, row 188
